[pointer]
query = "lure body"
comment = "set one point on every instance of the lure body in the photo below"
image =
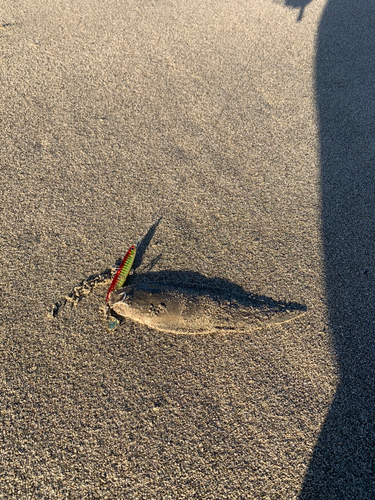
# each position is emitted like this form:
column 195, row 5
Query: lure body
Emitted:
column 193, row 310
column 123, row 271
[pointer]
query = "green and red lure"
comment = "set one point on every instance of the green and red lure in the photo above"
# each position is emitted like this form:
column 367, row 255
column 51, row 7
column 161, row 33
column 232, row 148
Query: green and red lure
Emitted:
column 123, row 271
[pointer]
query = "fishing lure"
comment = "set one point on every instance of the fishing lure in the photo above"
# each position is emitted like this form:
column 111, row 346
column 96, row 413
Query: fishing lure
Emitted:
column 123, row 271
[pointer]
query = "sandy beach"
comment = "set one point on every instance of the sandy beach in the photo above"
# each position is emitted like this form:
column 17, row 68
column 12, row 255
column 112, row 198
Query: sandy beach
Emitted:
column 236, row 140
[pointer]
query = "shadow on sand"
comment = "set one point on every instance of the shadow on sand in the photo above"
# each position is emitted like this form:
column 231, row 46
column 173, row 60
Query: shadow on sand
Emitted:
column 298, row 4
column 343, row 461
column 143, row 245
column 216, row 288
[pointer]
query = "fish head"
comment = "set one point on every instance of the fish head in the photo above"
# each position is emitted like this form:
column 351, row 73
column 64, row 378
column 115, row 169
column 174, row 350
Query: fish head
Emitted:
column 137, row 298
column 123, row 295
column 149, row 303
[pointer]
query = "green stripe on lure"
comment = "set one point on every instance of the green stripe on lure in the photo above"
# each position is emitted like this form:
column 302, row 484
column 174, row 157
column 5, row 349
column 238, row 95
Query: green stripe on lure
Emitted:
column 123, row 271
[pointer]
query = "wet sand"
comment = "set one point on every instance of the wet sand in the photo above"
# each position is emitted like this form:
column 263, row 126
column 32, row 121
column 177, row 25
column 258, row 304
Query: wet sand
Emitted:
column 113, row 117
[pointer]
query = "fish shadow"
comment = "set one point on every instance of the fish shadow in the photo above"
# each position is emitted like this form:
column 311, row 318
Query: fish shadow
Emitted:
column 217, row 288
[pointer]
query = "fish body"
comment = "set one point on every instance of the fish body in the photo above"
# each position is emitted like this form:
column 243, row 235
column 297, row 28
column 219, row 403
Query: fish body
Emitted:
column 193, row 310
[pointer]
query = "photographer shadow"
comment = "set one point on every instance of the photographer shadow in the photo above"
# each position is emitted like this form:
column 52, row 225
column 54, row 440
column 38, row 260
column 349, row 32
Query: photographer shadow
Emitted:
column 343, row 461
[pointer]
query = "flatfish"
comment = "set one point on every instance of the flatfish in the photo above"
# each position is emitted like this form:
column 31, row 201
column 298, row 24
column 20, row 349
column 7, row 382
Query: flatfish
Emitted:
column 191, row 310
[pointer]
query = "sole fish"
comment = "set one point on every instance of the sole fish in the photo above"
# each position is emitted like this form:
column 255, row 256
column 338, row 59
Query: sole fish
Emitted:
column 195, row 311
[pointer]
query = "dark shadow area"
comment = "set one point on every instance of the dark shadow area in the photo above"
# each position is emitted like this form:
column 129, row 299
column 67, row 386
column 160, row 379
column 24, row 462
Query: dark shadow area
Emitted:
column 144, row 243
column 298, row 4
column 343, row 461
column 216, row 288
